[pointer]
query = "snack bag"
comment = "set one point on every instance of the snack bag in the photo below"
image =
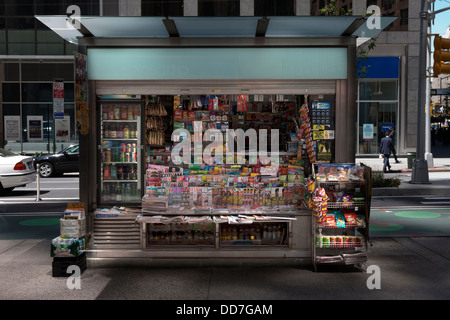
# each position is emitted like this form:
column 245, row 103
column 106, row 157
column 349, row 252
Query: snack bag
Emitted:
column 340, row 220
column 350, row 219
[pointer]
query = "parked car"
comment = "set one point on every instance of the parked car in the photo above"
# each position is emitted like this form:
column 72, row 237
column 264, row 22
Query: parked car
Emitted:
column 67, row 160
column 15, row 170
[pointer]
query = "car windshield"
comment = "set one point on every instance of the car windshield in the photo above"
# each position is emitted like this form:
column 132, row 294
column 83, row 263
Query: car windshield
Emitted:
column 70, row 149
column 6, row 153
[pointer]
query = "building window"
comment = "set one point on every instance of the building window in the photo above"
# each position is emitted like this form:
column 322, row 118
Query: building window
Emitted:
column 219, row 8
column 274, row 8
column 162, row 8
column 27, row 91
column 378, row 103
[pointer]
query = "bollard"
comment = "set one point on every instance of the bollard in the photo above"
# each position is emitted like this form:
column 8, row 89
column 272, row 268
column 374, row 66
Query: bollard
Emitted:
column 38, row 184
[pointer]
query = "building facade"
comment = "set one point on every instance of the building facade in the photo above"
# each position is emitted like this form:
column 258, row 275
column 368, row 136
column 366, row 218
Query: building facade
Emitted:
column 32, row 56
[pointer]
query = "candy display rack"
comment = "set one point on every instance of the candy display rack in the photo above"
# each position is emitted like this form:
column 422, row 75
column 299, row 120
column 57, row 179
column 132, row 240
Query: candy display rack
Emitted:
column 341, row 213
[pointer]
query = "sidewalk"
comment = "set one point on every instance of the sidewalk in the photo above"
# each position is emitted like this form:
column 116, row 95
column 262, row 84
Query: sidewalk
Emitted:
column 439, row 177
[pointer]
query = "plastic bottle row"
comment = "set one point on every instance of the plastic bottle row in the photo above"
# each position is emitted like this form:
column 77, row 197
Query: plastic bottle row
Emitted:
column 119, row 172
column 120, row 192
column 252, row 232
column 118, row 112
column 120, row 131
column 126, row 153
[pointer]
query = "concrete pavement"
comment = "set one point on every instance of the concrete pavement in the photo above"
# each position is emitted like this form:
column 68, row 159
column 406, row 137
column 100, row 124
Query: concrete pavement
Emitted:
column 439, row 177
column 403, row 267
column 406, row 268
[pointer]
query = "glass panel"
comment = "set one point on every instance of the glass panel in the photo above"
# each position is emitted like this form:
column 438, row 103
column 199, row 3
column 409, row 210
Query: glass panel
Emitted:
column 69, row 112
column 274, row 8
column 37, row 92
column 378, row 90
column 37, row 143
column 11, row 92
column 42, row 92
column 48, row 36
column 69, row 94
column 47, row 71
column 120, row 136
column 49, row 7
column 374, row 119
column 162, row 8
column 19, row 8
column 21, row 48
column 50, row 48
column 125, row 26
column 25, row 23
column 12, row 110
column 70, row 48
column 11, row 71
column 59, row 25
column 217, row 26
column 308, row 26
column 218, row 8
column 21, row 35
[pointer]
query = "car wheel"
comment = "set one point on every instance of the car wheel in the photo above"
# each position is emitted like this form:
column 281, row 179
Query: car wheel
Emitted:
column 46, row 169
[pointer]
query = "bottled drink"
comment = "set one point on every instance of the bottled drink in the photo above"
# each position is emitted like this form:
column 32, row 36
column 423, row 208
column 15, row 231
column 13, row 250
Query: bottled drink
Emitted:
column 116, row 113
column 120, row 131
column 126, row 132
column 106, row 172
column 130, row 113
column 108, row 155
column 113, row 172
column 118, row 193
column 123, row 113
column 110, row 113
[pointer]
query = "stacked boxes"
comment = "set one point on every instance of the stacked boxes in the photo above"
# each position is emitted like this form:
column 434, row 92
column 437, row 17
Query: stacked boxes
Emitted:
column 69, row 248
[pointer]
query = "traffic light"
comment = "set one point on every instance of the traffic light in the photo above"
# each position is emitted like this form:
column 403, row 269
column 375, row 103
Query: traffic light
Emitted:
column 441, row 55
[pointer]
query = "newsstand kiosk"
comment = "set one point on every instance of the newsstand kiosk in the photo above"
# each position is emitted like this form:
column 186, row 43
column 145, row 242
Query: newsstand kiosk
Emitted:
column 220, row 139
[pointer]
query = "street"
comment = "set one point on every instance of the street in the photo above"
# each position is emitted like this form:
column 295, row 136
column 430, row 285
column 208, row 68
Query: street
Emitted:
column 60, row 189
column 21, row 216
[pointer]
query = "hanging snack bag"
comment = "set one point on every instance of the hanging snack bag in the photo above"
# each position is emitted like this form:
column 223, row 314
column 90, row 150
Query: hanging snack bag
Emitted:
column 340, row 220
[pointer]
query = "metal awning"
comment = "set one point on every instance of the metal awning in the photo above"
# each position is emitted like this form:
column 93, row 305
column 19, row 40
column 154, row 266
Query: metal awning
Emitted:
column 71, row 29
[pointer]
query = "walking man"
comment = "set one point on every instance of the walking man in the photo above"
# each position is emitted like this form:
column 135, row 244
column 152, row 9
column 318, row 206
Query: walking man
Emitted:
column 386, row 147
column 394, row 153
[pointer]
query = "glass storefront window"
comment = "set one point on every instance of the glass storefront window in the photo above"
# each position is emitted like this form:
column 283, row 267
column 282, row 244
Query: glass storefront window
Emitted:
column 378, row 90
column 37, row 92
column 274, row 8
column 11, row 72
column 21, row 48
column 47, row 71
column 374, row 119
column 12, row 110
column 11, row 92
column 217, row 8
column 50, row 48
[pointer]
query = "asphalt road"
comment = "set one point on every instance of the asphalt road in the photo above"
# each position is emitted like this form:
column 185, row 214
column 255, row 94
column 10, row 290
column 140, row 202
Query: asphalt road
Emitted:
column 56, row 189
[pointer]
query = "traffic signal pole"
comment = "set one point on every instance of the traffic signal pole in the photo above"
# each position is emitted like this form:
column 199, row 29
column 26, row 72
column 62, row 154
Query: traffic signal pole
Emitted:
column 428, row 153
column 420, row 166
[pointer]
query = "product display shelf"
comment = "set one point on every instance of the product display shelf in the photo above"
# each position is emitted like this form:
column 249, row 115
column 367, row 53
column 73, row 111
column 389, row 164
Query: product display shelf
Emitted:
column 341, row 238
column 120, row 150
column 207, row 228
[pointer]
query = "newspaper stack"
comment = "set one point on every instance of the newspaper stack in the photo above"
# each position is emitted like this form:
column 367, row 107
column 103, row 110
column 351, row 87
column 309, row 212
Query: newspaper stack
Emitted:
column 152, row 204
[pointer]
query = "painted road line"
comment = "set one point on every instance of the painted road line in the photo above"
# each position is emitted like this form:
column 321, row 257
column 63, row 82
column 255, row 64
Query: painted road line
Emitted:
column 435, row 202
column 12, row 214
column 46, row 188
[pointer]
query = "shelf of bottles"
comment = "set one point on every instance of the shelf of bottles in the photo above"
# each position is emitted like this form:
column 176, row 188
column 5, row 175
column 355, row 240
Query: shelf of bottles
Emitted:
column 120, row 150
